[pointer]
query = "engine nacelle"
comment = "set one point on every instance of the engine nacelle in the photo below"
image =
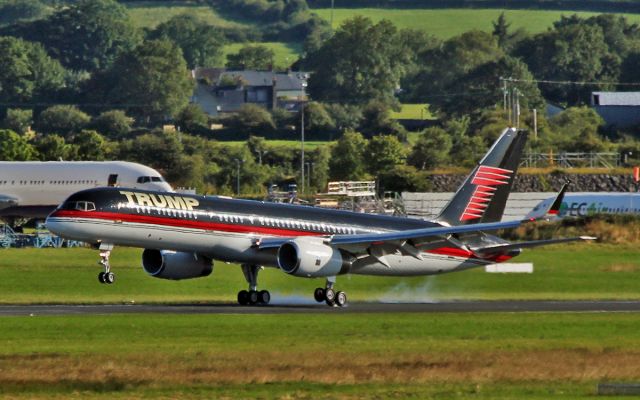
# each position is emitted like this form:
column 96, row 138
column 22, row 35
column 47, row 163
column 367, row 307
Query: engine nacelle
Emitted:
column 311, row 258
column 175, row 265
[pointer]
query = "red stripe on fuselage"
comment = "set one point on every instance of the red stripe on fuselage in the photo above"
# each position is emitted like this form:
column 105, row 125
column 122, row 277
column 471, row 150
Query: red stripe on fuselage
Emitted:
column 184, row 223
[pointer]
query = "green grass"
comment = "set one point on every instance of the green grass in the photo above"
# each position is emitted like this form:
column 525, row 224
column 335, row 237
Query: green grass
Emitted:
column 149, row 14
column 413, row 111
column 444, row 23
column 573, row 271
column 285, row 53
column 345, row 356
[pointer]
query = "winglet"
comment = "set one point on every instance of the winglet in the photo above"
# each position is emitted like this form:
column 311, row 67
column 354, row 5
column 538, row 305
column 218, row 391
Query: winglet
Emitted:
column 557, row 203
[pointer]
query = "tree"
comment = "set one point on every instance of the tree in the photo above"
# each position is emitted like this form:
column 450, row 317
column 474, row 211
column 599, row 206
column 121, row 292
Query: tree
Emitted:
column 14, row 11
column 404, row 178
column 152, row 81
column 15, row 147
column 53, row 148
column 383, row 153
column 376, row 120
column 26, row 71
column 577, row 130
column 61, row 119
column 18, row 120
column 200, row 42
column 86, row 35
column 347, row 157
column 574, row 52
column 481, row 88
column 443, row 66
column 500, row 29
column 252, row 119
column 89, row 146
column 158, row 150
column 431, row 150
column 113, row 124
column 361, row 62
column 317, row 120
column 192, row 118
column 257, row 57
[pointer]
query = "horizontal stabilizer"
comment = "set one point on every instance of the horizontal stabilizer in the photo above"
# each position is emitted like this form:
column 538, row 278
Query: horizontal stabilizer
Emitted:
column 533, row 243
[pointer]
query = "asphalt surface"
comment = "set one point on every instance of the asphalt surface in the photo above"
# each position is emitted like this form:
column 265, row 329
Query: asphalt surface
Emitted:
column 310, row 308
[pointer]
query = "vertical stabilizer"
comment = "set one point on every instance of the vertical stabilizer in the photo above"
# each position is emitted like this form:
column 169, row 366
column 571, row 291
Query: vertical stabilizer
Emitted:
column 483, row 195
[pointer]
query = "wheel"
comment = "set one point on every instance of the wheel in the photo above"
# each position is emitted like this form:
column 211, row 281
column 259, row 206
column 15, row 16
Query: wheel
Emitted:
column 330, row 296
column 109, row 278
column 264, row 297
column 253, row 297
column 318, row 294
column 243, row 297
column 341, row 299
column 101, row 277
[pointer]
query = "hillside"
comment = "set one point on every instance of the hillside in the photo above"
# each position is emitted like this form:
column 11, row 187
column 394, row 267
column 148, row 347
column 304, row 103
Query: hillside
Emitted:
column 444, row 23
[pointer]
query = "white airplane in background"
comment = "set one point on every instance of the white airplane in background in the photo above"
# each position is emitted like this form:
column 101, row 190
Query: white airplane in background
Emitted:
column 182, row 234
column 34, row 189
column 590, row 203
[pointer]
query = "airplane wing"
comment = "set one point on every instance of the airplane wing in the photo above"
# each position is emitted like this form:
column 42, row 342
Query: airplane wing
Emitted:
column 521, row 245
column 7, row 201
column 397, row 238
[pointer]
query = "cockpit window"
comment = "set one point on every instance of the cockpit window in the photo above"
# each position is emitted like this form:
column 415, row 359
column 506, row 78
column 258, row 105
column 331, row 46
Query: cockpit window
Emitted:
column 80, row 205
column 147, row 179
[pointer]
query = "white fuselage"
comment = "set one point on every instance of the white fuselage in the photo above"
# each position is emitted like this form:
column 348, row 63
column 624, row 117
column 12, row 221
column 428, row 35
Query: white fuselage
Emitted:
column 33, row 189
column 590, row 203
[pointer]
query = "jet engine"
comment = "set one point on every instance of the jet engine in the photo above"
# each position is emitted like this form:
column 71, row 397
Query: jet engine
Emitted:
column 175, row 265
column 311, row 258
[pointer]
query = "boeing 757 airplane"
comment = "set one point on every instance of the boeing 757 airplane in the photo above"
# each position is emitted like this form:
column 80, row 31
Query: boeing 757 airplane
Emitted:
column 183, row 234
column 34, row 189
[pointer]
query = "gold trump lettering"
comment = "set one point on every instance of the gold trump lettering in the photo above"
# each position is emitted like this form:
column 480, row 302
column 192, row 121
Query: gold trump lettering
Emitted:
column 160, row 200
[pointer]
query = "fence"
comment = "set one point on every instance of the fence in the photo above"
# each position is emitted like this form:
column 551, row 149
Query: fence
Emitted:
column 571, row 160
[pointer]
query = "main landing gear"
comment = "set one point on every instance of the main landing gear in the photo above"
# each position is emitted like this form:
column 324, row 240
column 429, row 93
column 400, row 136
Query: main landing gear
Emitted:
column 329, row 295
column 106, row 277
column 252, row 296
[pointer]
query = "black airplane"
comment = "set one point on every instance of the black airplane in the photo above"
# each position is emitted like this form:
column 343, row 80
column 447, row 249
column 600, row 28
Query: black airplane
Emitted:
column 183, row 234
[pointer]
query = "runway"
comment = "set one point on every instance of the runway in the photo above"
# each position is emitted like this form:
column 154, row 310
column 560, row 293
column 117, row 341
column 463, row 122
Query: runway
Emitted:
column 436, row 307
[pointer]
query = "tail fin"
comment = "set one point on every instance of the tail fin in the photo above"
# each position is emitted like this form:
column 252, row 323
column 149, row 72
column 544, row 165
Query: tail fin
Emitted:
column 483, row 195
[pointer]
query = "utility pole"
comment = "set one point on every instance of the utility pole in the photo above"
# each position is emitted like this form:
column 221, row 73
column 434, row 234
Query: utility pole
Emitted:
column 331, row 14
column 237, row 176
column 302, row 147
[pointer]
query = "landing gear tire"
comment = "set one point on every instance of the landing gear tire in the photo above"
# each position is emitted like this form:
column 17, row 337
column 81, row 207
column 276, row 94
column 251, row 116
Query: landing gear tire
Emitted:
column 109, row 278
column 318, row 294
column 243, row 297
column 264, row 297
column 341, row 299
column 330, row 297
column 101, row 277
column 253, row 297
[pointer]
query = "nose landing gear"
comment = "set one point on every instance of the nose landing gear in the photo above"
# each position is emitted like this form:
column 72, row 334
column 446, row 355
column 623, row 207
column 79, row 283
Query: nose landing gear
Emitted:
column 106, row 277
column 329, row 295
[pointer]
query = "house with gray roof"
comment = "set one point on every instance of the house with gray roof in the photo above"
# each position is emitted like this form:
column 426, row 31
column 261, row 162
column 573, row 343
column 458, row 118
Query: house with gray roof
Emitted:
column 221, row 91
column 620, row 109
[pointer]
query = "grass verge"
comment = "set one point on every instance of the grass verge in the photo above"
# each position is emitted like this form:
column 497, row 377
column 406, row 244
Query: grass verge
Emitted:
column 563, row 272
column 510, row 355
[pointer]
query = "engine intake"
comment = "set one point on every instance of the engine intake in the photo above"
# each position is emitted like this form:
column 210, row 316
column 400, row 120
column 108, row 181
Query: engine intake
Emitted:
column 311, row 258
column 175, row 265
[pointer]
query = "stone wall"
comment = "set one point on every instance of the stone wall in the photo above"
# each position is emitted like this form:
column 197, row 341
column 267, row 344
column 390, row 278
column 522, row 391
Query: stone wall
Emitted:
column 549, row 183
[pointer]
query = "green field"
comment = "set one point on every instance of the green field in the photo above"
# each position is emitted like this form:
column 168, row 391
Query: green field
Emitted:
column 285, row 53
column 444, row 23
column 355, row 356
column 574, row 271
column 149, row 14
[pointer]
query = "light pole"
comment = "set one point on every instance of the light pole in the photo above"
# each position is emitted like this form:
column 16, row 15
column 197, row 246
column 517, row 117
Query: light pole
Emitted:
column 238, row 175
column 302, row 147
